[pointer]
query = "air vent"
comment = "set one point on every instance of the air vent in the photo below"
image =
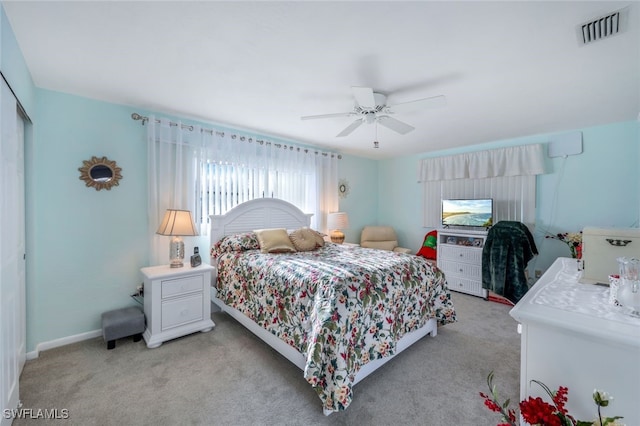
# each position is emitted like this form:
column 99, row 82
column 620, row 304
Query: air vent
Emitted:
column 602, row 27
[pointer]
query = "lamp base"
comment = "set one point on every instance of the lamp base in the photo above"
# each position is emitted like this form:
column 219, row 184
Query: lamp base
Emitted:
column 176, row 252
column 176, row 264
column 337, row 237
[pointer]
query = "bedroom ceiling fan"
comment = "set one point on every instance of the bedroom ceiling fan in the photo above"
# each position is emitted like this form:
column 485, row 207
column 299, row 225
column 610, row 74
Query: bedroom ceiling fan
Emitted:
column 371, row 107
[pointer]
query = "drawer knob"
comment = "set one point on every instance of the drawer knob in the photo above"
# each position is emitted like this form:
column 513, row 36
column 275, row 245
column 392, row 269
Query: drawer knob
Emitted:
column 461, row 255
column 461, row 270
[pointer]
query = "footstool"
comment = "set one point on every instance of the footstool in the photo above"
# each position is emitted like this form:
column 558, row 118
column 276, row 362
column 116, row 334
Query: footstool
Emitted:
column 122, row 323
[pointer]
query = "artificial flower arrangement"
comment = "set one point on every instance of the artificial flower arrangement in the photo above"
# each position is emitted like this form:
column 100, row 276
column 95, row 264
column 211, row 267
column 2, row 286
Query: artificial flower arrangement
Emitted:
column 537, row 412
column 573, row 240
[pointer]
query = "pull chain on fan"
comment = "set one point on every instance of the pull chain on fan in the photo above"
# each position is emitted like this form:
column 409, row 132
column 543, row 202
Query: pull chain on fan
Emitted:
column 376, row 144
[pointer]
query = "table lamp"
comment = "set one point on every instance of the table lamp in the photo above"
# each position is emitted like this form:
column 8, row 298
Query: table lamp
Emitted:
column 177, row 224
column 337, row 221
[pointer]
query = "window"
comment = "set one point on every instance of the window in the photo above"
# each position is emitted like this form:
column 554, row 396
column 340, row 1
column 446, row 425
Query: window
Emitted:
column 508, row 175
column 223, row 186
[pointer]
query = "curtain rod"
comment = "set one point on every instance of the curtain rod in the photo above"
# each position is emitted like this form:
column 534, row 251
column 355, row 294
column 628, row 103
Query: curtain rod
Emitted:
column 138, row 117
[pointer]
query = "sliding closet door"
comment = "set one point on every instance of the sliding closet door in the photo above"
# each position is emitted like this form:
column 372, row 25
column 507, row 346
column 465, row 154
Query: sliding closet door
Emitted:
column 12, row 251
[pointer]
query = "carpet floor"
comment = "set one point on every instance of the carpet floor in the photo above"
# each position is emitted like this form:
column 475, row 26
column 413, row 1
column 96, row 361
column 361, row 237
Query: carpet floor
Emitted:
column 230, row 377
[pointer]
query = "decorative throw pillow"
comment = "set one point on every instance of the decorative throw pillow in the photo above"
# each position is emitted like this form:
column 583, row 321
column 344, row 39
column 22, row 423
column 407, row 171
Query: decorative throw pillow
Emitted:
column 274, row 240
column 304, row 239
column 319, row 237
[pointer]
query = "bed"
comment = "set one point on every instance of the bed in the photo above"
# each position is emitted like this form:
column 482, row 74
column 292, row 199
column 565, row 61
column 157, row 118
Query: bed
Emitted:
column 337, row 312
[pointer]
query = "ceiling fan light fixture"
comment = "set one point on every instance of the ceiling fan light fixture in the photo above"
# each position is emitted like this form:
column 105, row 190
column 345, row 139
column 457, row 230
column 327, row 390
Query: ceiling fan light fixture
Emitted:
column 370, row 117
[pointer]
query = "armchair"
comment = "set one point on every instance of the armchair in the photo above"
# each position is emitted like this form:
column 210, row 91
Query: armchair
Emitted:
column 382, row 238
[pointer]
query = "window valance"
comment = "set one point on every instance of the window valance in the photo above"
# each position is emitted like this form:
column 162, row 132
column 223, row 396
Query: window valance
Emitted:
column 524, row 160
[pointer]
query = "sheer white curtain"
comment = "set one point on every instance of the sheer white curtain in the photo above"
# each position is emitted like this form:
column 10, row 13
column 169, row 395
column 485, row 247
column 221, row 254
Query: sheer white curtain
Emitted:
column 236, row 168
column 209, row 172
column 508, row 175
column 172, row 153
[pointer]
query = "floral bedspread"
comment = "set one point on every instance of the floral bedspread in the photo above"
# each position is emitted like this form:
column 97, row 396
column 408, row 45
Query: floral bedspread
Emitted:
column 341, row 307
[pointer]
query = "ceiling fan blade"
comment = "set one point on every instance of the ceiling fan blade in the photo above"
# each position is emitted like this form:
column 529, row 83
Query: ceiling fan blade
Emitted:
column 433, row 102
column 395, row 125
column 338, row 114
column 364, row 96
column 350, row 128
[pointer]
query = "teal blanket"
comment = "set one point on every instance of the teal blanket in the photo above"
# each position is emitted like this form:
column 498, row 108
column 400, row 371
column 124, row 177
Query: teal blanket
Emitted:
column 508, row 249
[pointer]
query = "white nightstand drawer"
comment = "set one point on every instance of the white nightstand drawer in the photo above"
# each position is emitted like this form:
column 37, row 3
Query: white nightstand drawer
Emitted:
column 181, row 311
column 181, row 285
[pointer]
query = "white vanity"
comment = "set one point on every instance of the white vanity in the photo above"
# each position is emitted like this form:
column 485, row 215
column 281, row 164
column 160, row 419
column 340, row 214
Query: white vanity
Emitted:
column 572, row 336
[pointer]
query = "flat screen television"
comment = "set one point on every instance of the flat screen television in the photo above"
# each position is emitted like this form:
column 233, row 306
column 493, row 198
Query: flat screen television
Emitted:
column 476, row 212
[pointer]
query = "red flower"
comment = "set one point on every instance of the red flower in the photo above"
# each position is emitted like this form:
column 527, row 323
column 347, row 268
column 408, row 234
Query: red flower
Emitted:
column 536, row 411
column 490, row 404
column 560, row 398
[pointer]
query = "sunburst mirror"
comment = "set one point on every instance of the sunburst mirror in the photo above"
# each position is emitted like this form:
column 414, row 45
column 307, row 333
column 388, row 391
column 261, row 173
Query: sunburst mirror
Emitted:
column 343, row 188
column 100, row 173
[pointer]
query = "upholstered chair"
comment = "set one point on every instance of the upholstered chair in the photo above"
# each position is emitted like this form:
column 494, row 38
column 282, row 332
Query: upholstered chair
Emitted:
column 382, row 238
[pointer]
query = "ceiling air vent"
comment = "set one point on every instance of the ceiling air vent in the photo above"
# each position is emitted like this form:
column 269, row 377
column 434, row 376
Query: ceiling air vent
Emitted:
column 602, row 27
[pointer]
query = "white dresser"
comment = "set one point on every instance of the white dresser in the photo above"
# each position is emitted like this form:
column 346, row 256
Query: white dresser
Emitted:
column 176, row 302
column 460, row 258
column 572, row 337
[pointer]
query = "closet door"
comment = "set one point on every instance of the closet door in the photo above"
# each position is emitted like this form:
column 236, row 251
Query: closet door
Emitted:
column 12, row 252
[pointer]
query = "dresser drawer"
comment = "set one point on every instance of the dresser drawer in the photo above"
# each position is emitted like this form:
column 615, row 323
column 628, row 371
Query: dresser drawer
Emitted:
column 182, row 310
column 181, row 286
column 465, row 286
column 459, row 253
column 457, row 268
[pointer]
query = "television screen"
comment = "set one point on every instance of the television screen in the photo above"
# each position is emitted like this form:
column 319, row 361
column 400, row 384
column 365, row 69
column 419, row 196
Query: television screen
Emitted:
column 472, row 212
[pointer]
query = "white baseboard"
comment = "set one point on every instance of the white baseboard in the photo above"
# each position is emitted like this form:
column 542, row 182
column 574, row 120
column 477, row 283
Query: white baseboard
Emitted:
column 62, row 342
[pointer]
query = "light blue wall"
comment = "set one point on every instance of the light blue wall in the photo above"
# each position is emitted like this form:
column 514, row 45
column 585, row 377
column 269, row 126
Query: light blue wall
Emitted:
column 599, row 187
column 88, row 245
column 361, row 203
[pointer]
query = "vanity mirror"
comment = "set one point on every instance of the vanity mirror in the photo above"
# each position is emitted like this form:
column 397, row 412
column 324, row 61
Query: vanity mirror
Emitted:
column 100, row 173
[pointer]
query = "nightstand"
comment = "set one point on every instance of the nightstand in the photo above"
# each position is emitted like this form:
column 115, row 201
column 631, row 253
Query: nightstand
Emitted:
column 176, row 302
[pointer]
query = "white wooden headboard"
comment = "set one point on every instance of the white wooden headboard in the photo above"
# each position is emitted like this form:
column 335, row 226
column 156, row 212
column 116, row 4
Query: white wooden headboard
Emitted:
column 258, row 214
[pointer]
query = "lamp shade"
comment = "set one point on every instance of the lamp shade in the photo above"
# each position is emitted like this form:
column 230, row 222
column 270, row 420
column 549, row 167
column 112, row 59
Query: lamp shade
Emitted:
column 177, row 223
column 338, row 220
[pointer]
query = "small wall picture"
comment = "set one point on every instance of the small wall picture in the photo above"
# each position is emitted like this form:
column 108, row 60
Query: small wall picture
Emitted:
column 451, row 240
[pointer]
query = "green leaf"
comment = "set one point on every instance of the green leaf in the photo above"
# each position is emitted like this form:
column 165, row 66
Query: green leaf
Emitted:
column 564, row 420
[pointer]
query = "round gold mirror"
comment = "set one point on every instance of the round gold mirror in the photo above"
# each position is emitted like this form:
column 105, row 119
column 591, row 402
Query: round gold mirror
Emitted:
column 100, row 173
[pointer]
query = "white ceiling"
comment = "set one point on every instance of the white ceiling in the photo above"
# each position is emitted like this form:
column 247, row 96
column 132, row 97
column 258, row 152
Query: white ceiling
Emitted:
column 507, row 69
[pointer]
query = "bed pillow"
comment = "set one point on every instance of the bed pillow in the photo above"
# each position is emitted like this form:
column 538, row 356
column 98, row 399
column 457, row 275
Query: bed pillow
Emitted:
column 274, row 240
column 238, row 242
column 304, row 239
column 234, row 243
